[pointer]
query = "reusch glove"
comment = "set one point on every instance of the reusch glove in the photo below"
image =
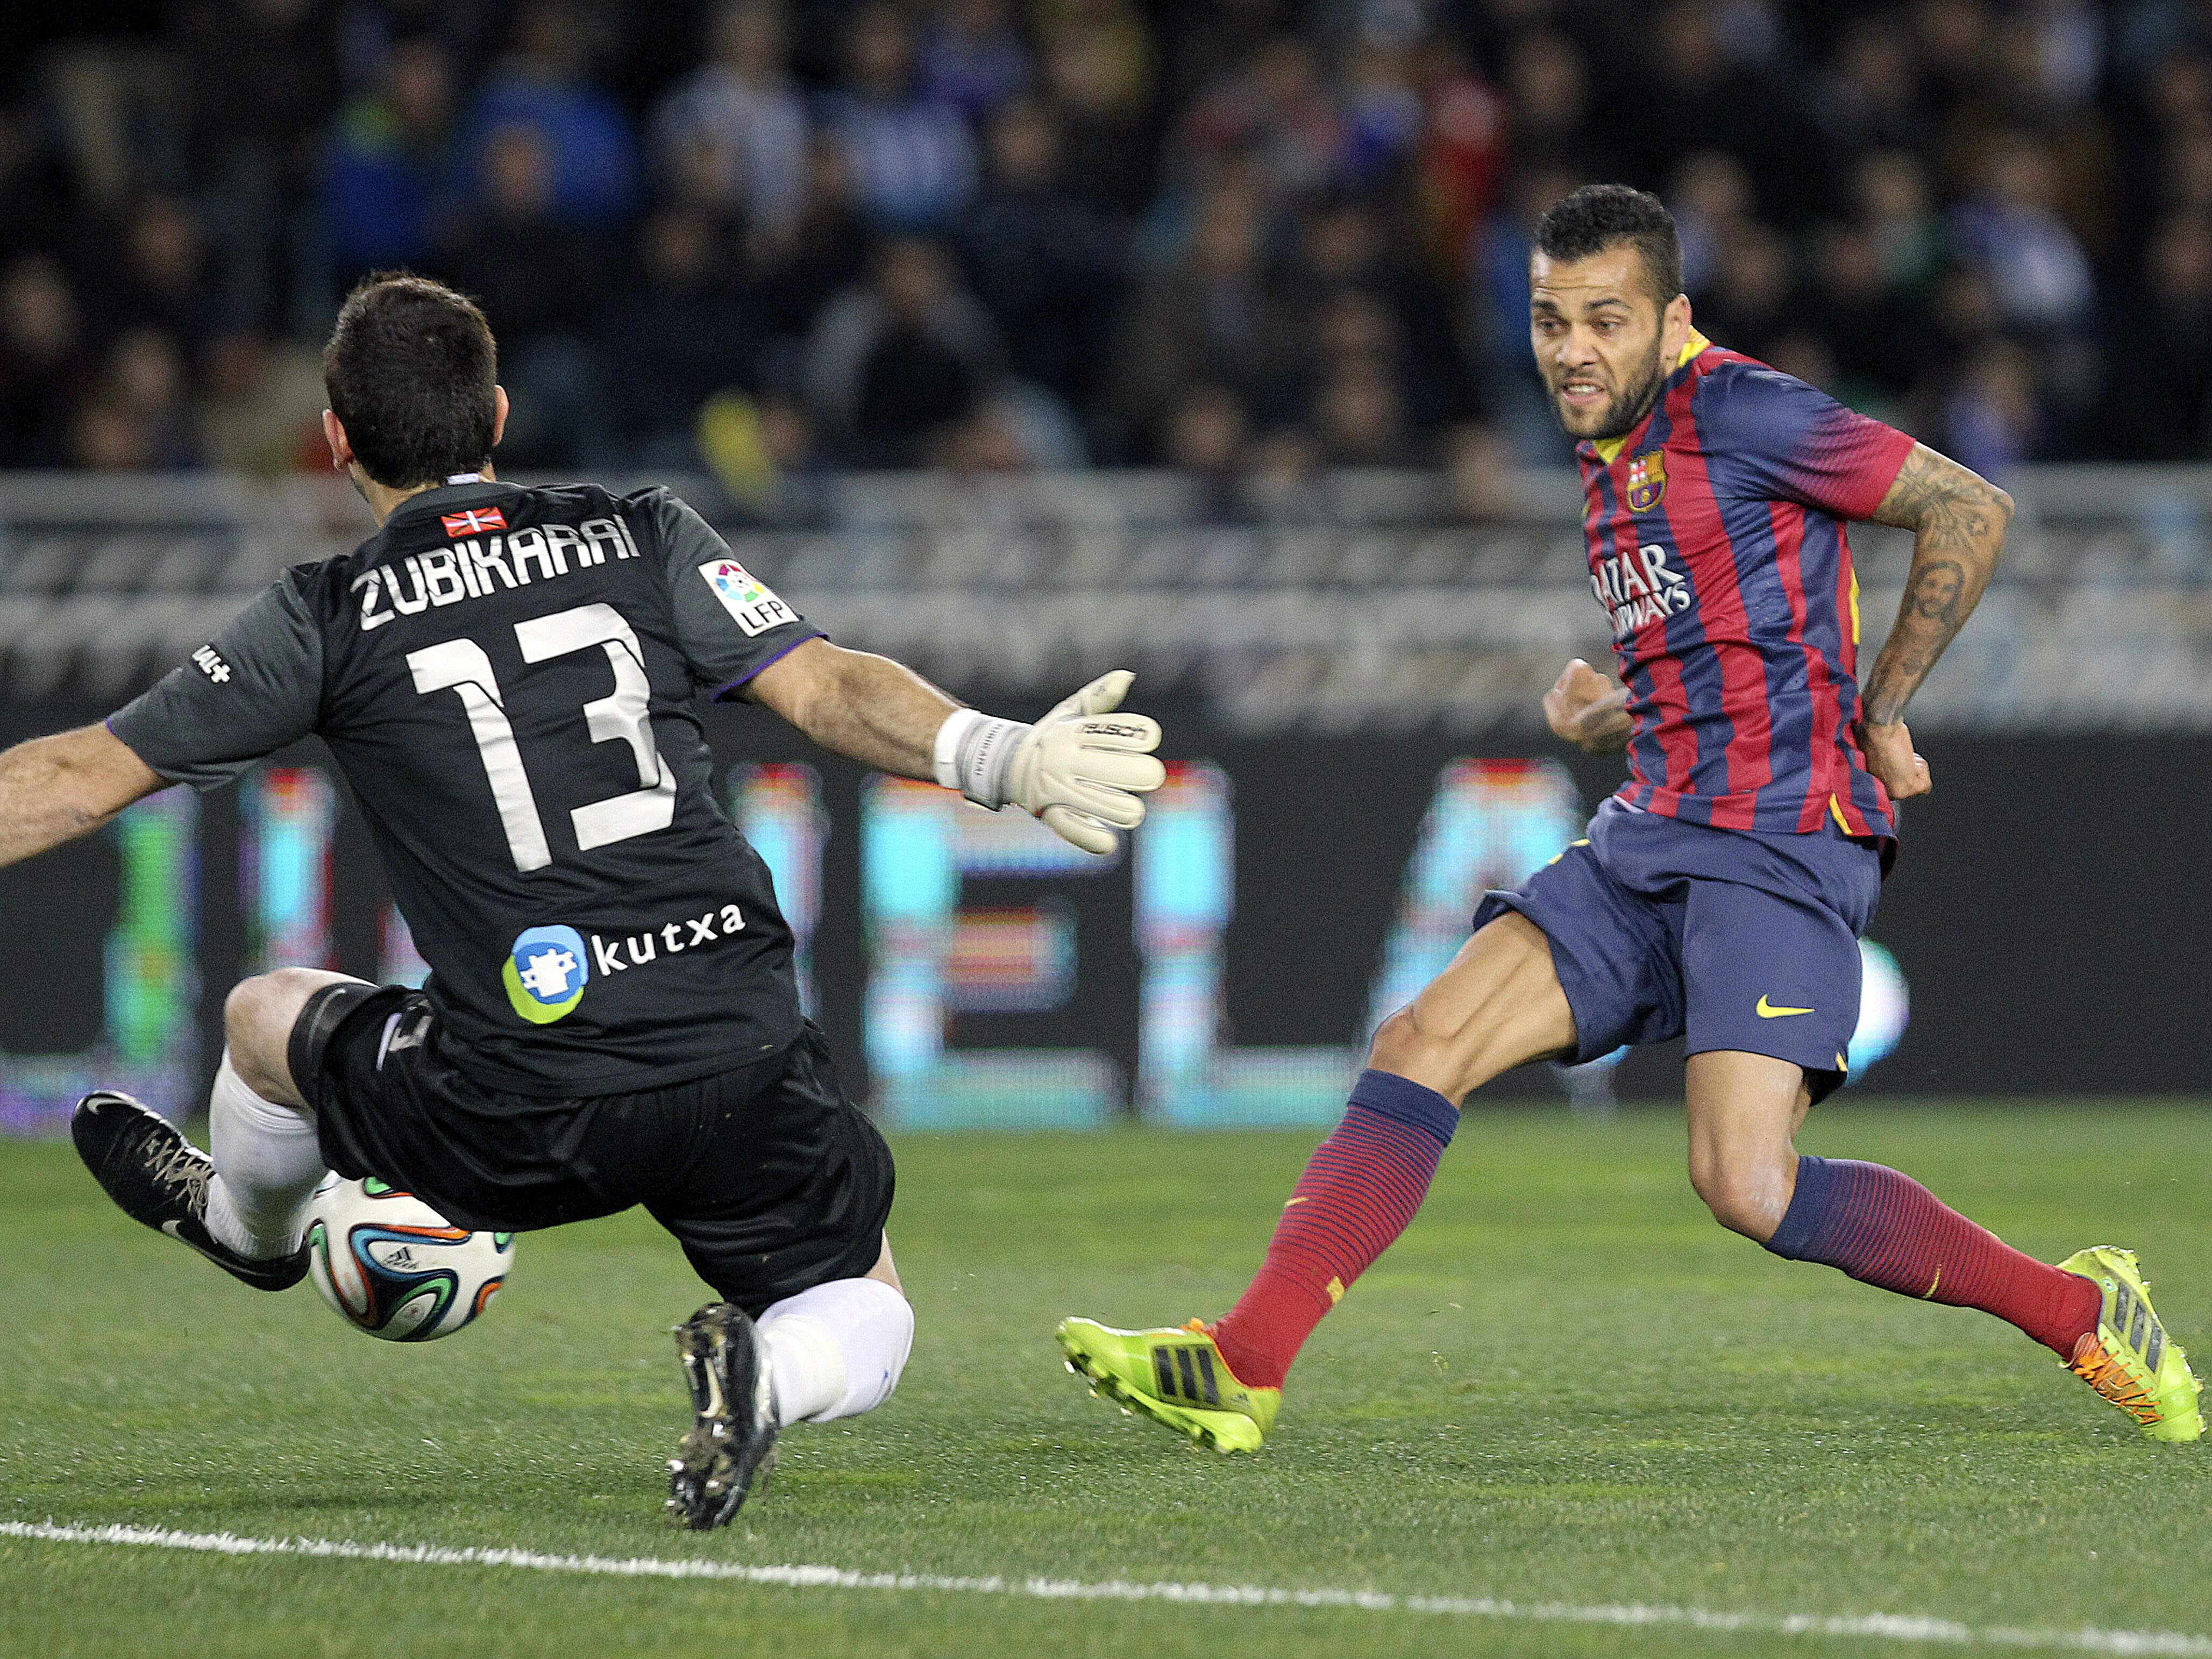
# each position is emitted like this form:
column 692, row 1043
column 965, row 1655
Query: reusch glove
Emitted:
column 1081, row 769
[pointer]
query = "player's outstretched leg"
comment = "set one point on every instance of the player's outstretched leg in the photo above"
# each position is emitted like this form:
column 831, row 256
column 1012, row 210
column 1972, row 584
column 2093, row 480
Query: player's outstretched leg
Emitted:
column 1497, row 1007
column 2092, row 1309
column 1884, row 1229
column 733, row 1436
column 158, row 1177
column 242, row 1203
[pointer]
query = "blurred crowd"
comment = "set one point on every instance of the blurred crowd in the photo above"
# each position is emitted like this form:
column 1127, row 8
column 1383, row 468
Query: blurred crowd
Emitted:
column 1252, row 239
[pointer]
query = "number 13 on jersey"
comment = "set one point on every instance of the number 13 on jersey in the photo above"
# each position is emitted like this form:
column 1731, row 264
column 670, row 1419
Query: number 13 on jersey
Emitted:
column 462, row 667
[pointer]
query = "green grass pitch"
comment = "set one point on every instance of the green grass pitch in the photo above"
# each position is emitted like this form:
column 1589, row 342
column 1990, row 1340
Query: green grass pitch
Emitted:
column 1565, row 1385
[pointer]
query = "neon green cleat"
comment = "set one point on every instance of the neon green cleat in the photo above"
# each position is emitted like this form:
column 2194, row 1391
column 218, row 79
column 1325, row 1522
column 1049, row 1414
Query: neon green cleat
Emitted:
column 2129, row 1358
column 1173, row 1375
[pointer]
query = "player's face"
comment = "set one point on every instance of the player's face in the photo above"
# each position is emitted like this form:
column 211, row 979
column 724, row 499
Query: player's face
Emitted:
column 1602, row 340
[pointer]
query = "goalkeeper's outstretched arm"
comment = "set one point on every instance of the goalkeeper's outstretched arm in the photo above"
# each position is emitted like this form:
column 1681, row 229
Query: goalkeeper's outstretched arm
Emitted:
column 865, row 707
column 55, row 789
column 1080, row 771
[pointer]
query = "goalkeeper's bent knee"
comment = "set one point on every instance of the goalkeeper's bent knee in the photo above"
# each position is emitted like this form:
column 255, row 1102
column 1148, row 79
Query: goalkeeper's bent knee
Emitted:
column 837, row 1350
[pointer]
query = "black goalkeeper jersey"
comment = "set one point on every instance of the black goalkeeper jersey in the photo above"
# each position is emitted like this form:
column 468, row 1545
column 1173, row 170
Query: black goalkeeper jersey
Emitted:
column 507, row 678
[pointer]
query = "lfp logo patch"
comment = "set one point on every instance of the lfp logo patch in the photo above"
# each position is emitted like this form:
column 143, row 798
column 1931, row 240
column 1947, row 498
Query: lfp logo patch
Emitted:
column 1647, row 481
column 751, row 603
column 545, row 973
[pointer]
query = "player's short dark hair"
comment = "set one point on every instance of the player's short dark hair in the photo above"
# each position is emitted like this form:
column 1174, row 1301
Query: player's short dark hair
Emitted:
column 411, row 370
column 1598, row 216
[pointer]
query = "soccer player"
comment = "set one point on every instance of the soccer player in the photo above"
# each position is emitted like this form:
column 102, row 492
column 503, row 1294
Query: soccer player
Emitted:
column 1719, row 895
column 507, row 677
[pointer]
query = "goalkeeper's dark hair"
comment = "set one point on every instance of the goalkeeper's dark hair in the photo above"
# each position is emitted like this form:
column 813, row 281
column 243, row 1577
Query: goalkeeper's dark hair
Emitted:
column 1599, row 216
column 411, row 370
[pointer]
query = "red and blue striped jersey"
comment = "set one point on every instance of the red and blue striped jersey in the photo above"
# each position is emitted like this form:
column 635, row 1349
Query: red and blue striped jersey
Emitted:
column 1716, row 543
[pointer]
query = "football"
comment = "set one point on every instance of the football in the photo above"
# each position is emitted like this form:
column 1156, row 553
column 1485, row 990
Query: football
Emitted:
column 391, row 1266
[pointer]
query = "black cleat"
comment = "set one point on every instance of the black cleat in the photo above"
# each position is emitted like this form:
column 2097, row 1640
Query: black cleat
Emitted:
column 734, row 1442
column 157, row 1176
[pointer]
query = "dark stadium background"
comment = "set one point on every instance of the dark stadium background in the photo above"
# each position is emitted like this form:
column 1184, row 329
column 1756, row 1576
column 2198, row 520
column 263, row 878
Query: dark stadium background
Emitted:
column 1026, row 337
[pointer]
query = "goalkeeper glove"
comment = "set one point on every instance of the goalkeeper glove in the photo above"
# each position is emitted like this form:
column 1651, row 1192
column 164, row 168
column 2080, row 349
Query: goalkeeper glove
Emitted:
column 1078, row 769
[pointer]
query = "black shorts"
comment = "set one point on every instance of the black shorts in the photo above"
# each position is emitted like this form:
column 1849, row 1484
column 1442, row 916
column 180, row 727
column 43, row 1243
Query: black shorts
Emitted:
column 770, row 1179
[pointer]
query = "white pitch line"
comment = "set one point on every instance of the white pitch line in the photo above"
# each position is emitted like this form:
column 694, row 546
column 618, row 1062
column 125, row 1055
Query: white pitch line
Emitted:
column 1880, row 1626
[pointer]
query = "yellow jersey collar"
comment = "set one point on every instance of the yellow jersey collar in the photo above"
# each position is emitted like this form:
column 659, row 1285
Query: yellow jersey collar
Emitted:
column 1609, row 449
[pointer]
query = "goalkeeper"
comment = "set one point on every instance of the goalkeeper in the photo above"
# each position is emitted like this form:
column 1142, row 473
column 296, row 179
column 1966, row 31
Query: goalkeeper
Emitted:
column 508, row 677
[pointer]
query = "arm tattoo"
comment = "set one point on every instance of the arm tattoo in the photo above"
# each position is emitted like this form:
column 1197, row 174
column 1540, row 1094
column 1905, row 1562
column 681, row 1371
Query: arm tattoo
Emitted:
column 1958, row 521
column 1937, row 592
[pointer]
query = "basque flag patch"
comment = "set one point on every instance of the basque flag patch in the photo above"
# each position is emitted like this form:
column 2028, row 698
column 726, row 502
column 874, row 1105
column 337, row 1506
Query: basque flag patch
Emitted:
column 474, row 522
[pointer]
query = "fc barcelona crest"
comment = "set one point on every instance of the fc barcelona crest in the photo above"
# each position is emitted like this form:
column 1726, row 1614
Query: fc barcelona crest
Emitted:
column 1647, row 481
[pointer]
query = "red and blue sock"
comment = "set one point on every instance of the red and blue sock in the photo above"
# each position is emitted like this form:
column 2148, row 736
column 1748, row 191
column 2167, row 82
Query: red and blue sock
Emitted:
column 1885, row 1229
column 1358, row 1194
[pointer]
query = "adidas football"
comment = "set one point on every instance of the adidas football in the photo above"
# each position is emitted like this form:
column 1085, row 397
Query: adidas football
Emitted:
column 393, row 1266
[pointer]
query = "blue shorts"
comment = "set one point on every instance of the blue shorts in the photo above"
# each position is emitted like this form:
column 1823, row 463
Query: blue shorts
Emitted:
column 1735, row 939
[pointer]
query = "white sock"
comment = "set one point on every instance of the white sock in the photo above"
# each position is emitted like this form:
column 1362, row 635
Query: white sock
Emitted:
column 267, row 1161
column 837, row 1350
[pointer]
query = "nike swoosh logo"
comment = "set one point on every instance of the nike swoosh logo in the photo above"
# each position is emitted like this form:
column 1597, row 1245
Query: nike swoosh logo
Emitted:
column 1768, row 1011
column 175, row 1230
